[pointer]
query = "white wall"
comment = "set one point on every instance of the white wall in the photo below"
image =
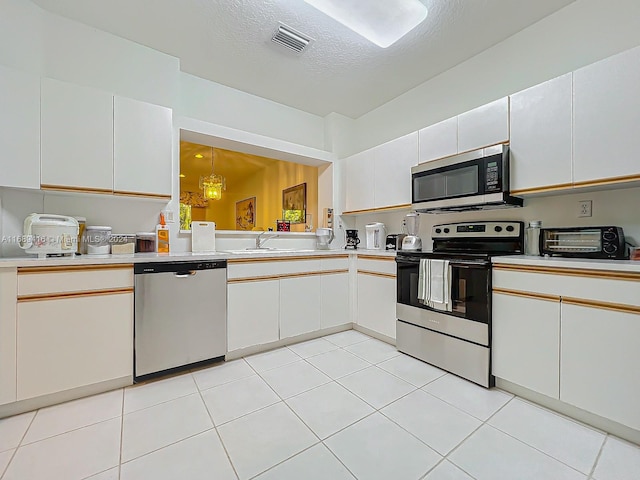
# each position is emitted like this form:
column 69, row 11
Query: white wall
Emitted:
column 581, row 33
column 214, row 103
column 610, row 207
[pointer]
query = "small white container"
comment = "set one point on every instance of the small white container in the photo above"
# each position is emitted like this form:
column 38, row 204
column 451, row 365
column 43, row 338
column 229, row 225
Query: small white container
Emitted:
column 97, row 240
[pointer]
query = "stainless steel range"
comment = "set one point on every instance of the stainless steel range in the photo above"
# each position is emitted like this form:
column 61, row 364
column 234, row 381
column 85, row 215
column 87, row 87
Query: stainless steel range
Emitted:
column 443, row 306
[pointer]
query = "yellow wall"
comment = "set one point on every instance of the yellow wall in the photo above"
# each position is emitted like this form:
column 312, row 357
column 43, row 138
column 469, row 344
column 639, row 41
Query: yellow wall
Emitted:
column 267, row 186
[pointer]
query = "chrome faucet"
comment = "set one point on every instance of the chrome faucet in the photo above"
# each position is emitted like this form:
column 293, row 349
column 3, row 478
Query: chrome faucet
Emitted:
column 260, row 240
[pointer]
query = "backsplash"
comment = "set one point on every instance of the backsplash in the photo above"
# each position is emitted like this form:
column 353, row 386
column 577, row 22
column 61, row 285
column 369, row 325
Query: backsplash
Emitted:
column 611, row 207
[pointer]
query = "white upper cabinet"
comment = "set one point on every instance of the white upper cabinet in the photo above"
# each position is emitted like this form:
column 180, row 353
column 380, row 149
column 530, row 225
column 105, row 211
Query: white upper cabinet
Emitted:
column 540, row 145
column 77, row 137
column 359, row 181
column 392, row 170
column 439, row 140
column 142, row 148
column 606, row 118
column 484, row 126
column 19, row 129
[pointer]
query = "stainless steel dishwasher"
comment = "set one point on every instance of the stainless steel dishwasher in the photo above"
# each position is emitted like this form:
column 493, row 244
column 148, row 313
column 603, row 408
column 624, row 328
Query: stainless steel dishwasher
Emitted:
column 180, row 315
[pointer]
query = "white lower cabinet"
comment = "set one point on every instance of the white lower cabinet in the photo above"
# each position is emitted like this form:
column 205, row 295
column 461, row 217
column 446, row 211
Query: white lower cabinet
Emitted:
column 300, row 307
column 334, row 290
column 377, row 303
column 253, row 313
column 525, row 342
column 66, row 343
column 600, row 354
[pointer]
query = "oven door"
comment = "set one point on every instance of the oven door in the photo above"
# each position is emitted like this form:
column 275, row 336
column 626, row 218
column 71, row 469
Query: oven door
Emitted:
column 470, row 287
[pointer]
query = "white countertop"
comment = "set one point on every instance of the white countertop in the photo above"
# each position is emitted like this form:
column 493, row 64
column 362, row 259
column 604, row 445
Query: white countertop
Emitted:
column 32, row 261
column 560, row 262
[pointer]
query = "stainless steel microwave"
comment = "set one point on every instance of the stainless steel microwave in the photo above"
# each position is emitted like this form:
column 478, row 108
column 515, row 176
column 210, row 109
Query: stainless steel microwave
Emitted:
column 476, row 180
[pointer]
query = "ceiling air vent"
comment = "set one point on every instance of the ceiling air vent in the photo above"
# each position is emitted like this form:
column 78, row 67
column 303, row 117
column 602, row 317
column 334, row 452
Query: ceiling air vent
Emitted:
column 291, row 39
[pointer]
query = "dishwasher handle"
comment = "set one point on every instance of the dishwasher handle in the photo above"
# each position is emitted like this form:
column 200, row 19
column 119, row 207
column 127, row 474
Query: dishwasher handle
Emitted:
column 187, row 274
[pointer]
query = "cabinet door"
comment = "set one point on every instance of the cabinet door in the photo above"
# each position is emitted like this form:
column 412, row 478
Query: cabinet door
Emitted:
column 526, row 342
column 142, row 147
column 72, row 342
column 334, row 308
column 599, row 362
column 19, row 129
column 438, row 140
column 377, row 304
column 483, row 126
column 299, row 305
column 252, row 317
column 77, row 136
column 540, row 145
column 392, row 170
column 359, row 181
column 606, row 118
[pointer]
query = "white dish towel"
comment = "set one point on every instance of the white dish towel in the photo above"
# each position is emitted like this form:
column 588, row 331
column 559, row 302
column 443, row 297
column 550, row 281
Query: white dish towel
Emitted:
column 439, row 288
column 424, row 275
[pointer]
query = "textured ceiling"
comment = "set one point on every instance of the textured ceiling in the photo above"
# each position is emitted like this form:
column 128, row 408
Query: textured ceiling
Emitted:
column 236, row 167
column 228, row 41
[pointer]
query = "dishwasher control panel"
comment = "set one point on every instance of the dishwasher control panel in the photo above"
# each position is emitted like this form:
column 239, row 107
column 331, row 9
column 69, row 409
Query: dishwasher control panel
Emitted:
column 161, row 267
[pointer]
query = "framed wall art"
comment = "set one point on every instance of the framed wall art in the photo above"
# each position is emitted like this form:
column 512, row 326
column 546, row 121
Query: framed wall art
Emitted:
column 294, row 203
column 246, row 214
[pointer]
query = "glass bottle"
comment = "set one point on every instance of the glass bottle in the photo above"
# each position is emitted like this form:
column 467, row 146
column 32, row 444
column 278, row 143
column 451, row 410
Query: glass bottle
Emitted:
column 532, row 238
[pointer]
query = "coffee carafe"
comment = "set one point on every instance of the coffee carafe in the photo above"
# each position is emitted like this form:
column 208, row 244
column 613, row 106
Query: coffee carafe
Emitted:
column 410, row 226
column 352, row 239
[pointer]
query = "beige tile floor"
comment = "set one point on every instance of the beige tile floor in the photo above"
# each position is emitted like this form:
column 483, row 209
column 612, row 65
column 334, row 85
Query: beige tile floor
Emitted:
column 341, row 407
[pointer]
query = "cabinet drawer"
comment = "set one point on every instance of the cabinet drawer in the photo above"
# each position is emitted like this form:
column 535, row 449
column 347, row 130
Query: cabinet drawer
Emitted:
column 271, row 267
column 337, row 263
column 604, row 286
column 52, row 280
column 381, row 265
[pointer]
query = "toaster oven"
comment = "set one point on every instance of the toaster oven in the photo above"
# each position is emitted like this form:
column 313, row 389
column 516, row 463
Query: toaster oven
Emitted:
column 583, row 242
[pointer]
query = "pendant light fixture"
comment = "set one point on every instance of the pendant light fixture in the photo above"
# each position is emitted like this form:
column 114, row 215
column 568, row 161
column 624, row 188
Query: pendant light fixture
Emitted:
column 212, row 185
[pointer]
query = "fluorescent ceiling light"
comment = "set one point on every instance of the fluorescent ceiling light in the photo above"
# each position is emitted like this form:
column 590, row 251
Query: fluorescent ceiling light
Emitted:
column 382, row 22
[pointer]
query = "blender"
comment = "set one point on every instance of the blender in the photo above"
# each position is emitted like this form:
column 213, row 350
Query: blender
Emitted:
column 410, row 226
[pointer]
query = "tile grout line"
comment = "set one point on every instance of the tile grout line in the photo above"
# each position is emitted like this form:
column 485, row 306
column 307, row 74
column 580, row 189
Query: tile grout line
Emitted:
column 482, row 423
column 532, row 446
column 121, row 436
column 215, row 427
column 321, row 441
column 13, row 455
column 595, row 463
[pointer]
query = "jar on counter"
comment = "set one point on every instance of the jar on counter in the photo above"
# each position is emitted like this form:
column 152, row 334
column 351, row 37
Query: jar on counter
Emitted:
column 145, row 242
column 82, row 223
column 532, row 238
column 97, row 240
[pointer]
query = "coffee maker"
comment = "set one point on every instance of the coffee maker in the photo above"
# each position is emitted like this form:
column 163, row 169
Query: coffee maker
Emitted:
column 352, row 239
column 411, row 225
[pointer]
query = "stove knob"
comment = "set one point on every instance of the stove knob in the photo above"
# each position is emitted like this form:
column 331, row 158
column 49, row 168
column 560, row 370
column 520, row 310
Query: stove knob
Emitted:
column 497, row 228
column 610, row 248
column 446, row 230
column 438, row 230
column 510, row 228
column 609, row 235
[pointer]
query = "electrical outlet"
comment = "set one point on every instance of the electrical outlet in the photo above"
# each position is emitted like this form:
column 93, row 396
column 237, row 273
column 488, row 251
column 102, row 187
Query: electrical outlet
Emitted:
column 169, row 216
column 584, row 208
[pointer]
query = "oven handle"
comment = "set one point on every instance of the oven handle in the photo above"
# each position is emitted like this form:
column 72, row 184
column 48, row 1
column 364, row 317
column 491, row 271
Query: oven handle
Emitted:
column 453, row 263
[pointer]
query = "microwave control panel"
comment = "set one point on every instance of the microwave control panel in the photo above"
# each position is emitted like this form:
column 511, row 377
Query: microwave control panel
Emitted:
column 493, row 174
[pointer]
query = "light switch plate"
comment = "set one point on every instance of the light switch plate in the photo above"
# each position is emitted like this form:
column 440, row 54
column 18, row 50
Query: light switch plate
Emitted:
column 169, row 216
column 584, row 208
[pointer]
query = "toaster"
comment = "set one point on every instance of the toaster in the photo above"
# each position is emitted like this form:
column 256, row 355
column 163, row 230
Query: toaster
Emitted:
column 584, row 242
column 46, row 234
